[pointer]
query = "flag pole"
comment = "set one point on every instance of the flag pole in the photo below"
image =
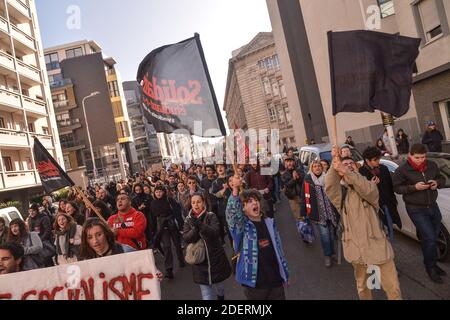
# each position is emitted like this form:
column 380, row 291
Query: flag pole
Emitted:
column 89, row 204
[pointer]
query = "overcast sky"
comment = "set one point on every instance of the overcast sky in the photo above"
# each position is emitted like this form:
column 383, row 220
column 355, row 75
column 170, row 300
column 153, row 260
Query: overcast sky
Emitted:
column 129, row 30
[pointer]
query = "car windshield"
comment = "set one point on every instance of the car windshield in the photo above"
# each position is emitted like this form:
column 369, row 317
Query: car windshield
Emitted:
column 444, row 167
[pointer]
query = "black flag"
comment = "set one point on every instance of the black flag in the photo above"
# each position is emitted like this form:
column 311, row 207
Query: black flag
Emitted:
column 177, row 89
column 371, row 70
column 52, row 175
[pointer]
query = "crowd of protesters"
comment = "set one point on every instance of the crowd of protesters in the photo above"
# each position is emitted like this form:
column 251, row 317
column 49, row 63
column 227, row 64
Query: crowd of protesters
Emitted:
column 190, row 213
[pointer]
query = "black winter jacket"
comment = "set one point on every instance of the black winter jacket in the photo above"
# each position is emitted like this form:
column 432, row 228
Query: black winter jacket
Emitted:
column 216, row 267
column 405, row 178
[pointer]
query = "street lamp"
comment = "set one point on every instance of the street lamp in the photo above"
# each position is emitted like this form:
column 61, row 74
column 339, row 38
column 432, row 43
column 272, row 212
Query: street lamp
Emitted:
column 93, row 94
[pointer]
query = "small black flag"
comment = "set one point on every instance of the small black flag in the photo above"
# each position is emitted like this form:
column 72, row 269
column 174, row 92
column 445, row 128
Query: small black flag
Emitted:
column 177, row 89
column 371, row 70
column 53, row 177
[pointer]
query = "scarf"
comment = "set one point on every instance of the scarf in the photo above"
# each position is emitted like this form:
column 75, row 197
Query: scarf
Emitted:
column 318, row 180
column 198, row 214
column 63, row 240
column 420, row 168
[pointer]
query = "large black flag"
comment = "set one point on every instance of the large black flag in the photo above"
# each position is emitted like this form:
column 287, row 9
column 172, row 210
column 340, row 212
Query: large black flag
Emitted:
column 177, row 89
column 371, row 70
column 52, row 175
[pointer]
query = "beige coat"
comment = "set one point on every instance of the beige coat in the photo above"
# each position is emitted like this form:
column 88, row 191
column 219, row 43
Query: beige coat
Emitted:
column 363, row 240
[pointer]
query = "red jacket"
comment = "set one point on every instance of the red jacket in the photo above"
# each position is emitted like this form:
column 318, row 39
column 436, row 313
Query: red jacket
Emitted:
column 134, row 233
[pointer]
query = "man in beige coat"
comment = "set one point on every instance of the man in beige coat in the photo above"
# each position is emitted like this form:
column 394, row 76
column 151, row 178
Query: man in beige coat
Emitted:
column 364, row 242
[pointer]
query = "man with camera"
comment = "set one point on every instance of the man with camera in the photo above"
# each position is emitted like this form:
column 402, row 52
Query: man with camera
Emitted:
column 418, row 180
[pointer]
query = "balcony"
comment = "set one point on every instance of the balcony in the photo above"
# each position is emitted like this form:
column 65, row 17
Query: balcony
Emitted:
column 13, row 138
column 6, row 63
column 9, row 99
column 19, row 179
column 46, row 140
column 31, row 73
column 19, row 10
column 61, row 83
column 67, row 126
column 35, row 106
column 26, row 41
column 73, row 145
column 4, row 25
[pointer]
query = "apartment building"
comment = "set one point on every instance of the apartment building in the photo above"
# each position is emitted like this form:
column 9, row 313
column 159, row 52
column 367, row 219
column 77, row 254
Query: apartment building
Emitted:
column 26, row 109
column 83, row 82
column 255, row 96
column 300, row 29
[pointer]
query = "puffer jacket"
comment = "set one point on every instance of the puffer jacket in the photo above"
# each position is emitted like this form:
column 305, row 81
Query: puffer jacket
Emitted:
column 405, row 179
column 363, row 240
column 216, row 267
column 245, row 239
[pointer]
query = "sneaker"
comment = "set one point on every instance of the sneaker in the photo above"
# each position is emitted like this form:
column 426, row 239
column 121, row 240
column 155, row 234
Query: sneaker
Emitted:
column 334, row 258
column 440, row 272
column 220, row 298
column 327, row 262
column 434, row 276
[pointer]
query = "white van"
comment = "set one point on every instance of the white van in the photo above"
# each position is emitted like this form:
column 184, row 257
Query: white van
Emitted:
column 10, row 214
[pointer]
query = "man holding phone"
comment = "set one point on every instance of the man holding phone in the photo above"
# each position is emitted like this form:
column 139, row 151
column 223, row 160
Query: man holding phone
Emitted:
column 418, row 180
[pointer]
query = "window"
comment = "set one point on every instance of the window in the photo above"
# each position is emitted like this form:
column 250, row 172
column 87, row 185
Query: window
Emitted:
column 45, row 130
column 288, row 114
column 59, row 97
column 272, row 115
column 117, row 109
column 52, row 61
column 266, row 84
column 386, row 7
column 123, row 131
column 67, row 161
column 29, row 164
column 113, row 89
column 8, row 164
column 445, row 115
column 429, row 17
column 72, row 53
column 282, row 89
column 2, row 123
column 269, row 63
column 281, row 116
column 55, row 79
column 31, row 127
column 276, row 62
column 293, row 140
column 276, row 89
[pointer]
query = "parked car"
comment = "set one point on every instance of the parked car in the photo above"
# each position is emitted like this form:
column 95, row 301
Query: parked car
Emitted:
column 10, row 214
column 443, row 162
column 314, row 152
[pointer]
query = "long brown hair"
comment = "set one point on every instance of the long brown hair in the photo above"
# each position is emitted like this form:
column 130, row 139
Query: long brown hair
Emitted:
column 86, row 252
column 69, row 218
column 22, row 229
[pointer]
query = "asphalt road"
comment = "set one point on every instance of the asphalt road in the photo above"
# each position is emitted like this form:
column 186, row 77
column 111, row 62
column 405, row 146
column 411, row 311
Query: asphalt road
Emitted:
column 311, row 280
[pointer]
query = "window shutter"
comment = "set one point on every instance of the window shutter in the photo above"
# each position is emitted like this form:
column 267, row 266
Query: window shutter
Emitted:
column 429, row 15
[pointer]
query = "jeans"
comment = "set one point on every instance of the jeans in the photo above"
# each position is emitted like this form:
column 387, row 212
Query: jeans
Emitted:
column 327, row 234
column 389, row 223
column 277, row 188
column 428, row 224
column 213, row 291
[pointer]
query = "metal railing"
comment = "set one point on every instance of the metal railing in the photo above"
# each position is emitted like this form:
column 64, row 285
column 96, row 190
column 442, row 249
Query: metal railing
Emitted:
column 60, row 83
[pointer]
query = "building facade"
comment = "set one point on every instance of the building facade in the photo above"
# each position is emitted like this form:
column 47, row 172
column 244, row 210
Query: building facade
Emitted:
column 300, row 30
column 146, row 143
column 26, row 109
column 255, row 96
column 83, row 82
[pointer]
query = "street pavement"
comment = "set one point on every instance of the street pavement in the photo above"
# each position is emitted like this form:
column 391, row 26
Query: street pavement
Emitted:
column 311, row 280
